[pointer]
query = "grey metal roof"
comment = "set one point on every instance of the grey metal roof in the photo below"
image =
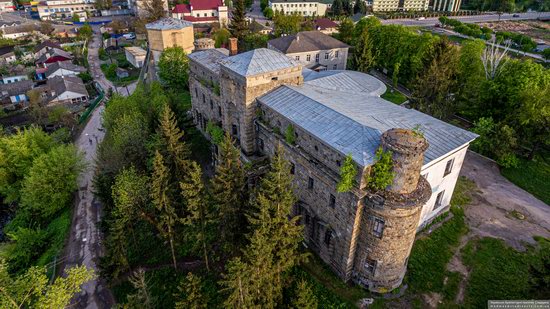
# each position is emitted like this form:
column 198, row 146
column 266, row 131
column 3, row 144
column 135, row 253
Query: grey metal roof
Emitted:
column 168, row 23
column 66, row 65
column 72, row 83
column 306, row 41
column 352, row 121
column 345, row 81
column 17, row 88
column 258, row 61
column 210, row 58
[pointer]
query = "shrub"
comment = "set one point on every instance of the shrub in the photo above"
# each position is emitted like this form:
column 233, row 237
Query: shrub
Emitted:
column 215, row 132
column 123, row 63
column 290, row 135
column 381, row 173
column 348, row 172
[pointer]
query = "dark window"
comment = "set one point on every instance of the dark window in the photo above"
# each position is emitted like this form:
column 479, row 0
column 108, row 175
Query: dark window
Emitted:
column 317, row 58
column 316, row 148
column 308, row 57
column 275, row 78
column 261, row 144
column 234, row 130
column 310, row 183
column 334, row 67
column 292, row 168
column 336, row 54
column 308, row 219
column 449, row 167
column 338, row 163
column 203, row 98
column 219, row 111
column 370, row 266
column 196, row 93
column 211, row 104
column 378, row 227
column 332, row 201
column 326, row 55
column 439, row 199
column 328, row 237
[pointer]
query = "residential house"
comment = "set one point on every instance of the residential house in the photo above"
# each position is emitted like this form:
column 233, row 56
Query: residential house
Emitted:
column 7, row 55
column 14, row 95
column 66, row 90
column 308, row 8
column 202, row 12
column 59, row 9
column 15, row 74
column 5, row 24
column 45, row 47
column 314, row 49
column 256, row 27
column 52, row 56
column 363, row 235
column 17, row 32
column 63, row 68
column 135, row 55
column 6, row 6
column 326, row 25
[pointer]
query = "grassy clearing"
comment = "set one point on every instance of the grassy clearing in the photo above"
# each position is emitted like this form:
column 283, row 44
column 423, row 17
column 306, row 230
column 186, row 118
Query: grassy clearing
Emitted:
column 330, row 290
column 394, row 96
column 429, row 257
column 532, row 176
column 501, row 272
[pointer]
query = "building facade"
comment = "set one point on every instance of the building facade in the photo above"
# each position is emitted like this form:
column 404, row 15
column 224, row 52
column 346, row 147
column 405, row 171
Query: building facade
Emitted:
column 202, row 12
column 169, row 32
column 445, row 5
column 364, row 236
column 304, row 7
column 313, row 49
column 399, row 5
column 6, row 6
column 135, row 55
column 59, row 9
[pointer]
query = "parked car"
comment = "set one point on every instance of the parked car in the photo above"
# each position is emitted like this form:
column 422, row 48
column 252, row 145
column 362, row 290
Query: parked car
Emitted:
column 129, row 36
column 515, row 15
column 421, row 18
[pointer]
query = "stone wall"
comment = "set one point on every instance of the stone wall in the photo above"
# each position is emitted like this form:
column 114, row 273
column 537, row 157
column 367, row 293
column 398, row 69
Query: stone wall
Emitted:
column 160, row 40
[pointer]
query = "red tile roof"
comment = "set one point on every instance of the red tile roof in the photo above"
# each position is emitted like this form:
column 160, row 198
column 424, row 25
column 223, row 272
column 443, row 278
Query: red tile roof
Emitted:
column 324, row 23
column 197, row 5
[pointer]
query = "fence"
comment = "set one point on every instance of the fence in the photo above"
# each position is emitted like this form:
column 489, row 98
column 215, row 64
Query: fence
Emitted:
column 92, row 106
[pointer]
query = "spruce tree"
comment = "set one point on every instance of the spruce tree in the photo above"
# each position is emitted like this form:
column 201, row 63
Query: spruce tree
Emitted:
column 142, row 297
column 160, row 194
column 364, row 54
column 229, row 195
column 200, row 217
column 337, row 8
column 237, row 285
column 173, row 147
column 190, row 295
column 238, row 25
column 304, row 299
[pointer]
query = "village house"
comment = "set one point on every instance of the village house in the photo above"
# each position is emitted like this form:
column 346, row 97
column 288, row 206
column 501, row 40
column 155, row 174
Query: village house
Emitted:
column 18, row 32
column 363, row 235
column 59, row 9
column 15, row 74
column 5, row 24
column 135, row 55
column 326, row 26
column 53, row 56
column 66, row 90
column 202, row 12
column 314, row 49
column 7, row 55
column 63, row 68
column 44, row 47
column 14, row 95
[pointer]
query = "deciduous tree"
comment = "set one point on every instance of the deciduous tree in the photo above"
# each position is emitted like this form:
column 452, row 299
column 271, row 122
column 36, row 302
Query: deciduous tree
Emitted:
column 174, row 67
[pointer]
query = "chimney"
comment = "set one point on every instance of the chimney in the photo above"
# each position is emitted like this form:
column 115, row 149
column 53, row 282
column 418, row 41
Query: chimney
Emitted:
column 233, row 50
column 297, row 37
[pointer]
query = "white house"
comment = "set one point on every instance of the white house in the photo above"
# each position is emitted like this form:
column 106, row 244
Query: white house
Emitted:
column 135, row 55
column 18, row 31
column 13, row 78
column 7, row 55
column 6, row 6
column 63, row 68
column 14, row 94
column 202, row 12
column 66, row 90
column 58, row 9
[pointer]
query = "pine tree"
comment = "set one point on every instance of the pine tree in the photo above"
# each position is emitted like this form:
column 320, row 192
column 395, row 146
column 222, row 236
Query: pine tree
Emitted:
column 360, row 7
column 200, row 217
column 167, row 217
column 142, row 297
column 364, row 54
column 190, row 295
column 175, row 150
column 337, row 7
column 237, row 284
column 229, row 195
column 238, row 26
column 305, row 299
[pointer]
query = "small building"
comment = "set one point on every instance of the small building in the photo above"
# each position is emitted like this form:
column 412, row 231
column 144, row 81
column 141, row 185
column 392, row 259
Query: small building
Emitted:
column 169, row 32
column 5, row 24
column 400, row 5
column 55, row 55
column 45, row 47
column 315, row 50
column 6, row 6
column 122, row 73
column 135, row 55
column 67, row 90
column 15, row 74
column 14, row 95
column 202, row 12
column 308, row 8
column 256, row 27
column 17, row 32
column 63, row 68
column 326, row 25
column 7, row 55
column 204, row 43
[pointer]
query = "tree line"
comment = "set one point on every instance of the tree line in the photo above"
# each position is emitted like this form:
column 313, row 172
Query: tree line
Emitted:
column 507, row 99
column 158, row 197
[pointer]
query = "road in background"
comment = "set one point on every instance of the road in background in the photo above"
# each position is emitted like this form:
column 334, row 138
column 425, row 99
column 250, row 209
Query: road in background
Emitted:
column 468, row 19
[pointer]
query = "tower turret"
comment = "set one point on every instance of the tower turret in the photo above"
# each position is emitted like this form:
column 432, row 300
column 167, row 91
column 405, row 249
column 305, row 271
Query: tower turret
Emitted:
column 392, row 215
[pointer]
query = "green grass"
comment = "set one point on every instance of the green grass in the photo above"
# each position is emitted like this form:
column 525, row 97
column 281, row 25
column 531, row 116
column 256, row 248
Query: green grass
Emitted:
column 532, row 176
column 331, row 291
column 394, row 96
column 500, row 272
column 57, row 232
column 430, row 256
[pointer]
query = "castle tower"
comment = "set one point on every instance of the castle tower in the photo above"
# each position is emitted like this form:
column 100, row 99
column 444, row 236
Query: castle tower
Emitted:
column 393, row 214
column 169, row 32
column 204, row 44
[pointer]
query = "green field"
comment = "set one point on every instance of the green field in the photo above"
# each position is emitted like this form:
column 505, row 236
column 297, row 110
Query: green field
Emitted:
column 394, row 96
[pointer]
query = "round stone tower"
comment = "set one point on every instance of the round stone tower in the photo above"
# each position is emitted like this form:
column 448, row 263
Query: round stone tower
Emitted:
column 203, row 44
column 393, row 214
